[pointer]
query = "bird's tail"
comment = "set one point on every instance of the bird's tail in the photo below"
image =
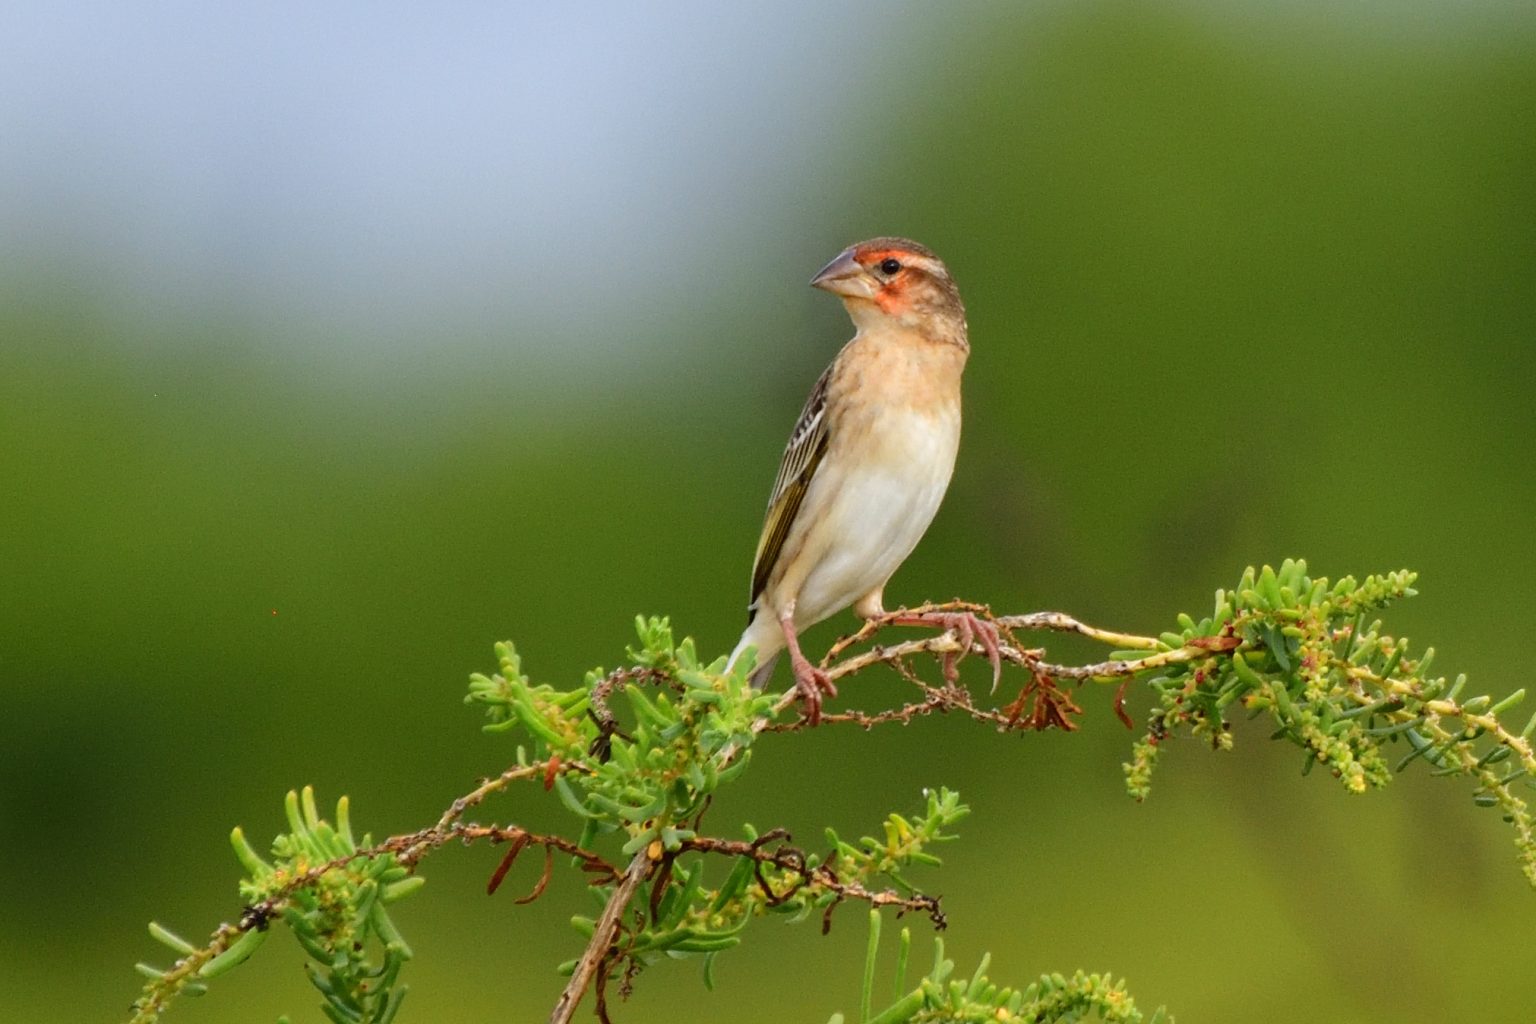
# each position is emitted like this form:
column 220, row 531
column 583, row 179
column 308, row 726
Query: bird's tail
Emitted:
column 768, row 639
column 764, row 672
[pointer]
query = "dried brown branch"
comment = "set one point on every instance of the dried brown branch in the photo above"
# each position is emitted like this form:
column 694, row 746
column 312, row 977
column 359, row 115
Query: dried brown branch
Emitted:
column 597, row 709
column 790, row 858
column 1040, row 704
column 947, row 643
column 409, row 847
column 477, row 795
column 1061, row 623
column 600, row 947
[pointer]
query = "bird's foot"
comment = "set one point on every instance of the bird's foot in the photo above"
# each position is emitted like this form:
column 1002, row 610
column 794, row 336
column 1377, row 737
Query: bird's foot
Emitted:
column 811, row 683
column 970, row 631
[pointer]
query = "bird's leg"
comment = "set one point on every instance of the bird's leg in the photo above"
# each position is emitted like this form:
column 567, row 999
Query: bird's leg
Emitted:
column 969, row 630
column 810, row 681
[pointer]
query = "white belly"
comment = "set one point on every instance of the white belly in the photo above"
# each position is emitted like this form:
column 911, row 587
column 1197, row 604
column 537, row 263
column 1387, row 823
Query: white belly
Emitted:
column 877, row 511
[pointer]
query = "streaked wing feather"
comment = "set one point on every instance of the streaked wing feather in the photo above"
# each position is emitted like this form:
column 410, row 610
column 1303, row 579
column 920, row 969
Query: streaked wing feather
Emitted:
column 807, row 444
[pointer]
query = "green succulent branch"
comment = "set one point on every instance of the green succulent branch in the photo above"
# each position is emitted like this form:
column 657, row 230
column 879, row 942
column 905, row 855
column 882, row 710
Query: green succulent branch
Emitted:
column 636, row 755
column 1312, row 657
column 940, row 996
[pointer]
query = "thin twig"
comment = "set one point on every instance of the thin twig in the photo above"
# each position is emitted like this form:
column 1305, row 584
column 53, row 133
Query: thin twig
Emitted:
column 948, row 643
column 789, row 858
column 602, row 937
column 456, row 809
column 1063, row 623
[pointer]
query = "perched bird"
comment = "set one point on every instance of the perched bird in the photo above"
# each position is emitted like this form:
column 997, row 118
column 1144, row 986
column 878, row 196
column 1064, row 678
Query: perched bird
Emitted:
column 868, row 461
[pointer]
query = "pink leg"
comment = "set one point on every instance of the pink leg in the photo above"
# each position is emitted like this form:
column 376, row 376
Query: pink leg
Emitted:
column 810, row 681
column 969, row 630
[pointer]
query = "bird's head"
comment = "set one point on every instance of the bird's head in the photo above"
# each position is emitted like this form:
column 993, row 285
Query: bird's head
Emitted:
column 886, row 280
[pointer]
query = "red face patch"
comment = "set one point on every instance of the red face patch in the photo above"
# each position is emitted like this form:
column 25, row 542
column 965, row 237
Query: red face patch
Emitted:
column 892, row 299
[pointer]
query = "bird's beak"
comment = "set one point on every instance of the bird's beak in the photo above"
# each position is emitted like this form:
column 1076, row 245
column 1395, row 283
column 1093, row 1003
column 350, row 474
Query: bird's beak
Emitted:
column 843, row 276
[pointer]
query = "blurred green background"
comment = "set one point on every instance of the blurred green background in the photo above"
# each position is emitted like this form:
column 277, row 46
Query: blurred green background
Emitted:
column 335, row 346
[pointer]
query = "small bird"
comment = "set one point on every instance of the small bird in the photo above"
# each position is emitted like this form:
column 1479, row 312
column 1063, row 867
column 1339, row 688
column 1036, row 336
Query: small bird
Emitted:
column 868, row 461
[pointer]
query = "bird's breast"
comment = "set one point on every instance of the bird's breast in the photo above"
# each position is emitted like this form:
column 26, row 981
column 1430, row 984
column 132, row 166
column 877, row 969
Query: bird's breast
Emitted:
column 897, row 384
column 893, row 429
column 884, row 480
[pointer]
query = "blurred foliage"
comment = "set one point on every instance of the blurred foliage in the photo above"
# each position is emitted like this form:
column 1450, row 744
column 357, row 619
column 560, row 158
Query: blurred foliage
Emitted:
column 1242, row 281
column 941, row 998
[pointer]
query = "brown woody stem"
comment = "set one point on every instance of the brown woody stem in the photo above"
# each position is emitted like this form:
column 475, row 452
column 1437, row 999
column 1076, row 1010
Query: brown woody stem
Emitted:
column 602, row 937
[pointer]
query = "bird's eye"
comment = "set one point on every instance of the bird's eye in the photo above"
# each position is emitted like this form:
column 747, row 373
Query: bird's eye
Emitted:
column 889, row 266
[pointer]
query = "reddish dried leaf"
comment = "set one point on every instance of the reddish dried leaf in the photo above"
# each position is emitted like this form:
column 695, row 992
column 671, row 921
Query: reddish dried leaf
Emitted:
column 506, row 864
column 1120, row 711
column 538, row 888
column 1214, row 643
column 663, row 876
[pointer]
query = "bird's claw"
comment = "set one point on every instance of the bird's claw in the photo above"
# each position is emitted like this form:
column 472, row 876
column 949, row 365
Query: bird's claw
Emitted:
column 970, row 631
column 811, row 683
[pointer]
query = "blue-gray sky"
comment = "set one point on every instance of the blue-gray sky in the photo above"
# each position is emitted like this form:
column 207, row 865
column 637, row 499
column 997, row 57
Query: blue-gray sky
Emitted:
column 367, row 172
